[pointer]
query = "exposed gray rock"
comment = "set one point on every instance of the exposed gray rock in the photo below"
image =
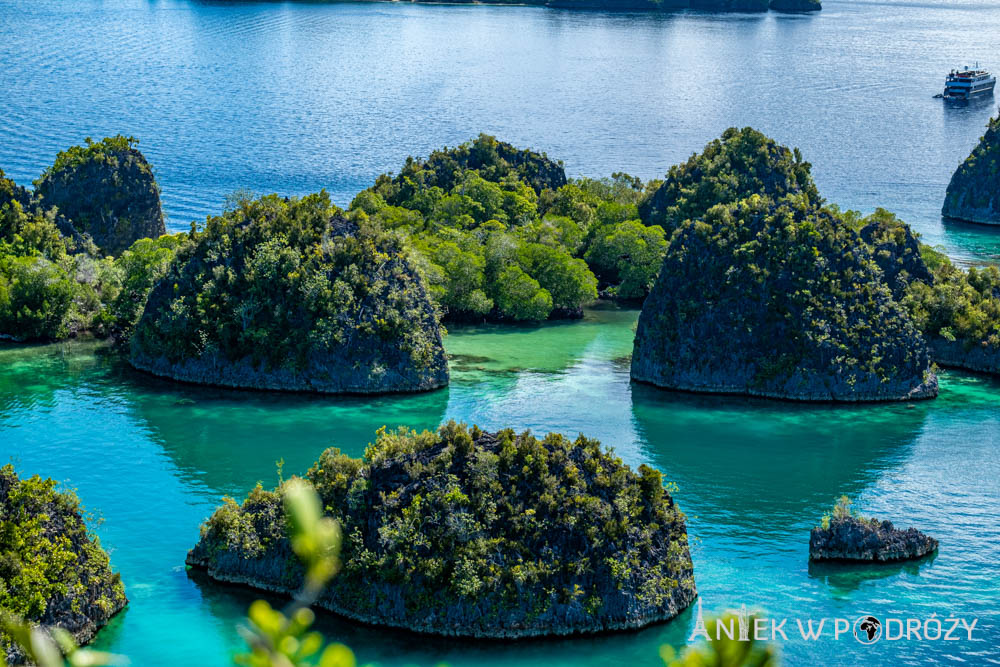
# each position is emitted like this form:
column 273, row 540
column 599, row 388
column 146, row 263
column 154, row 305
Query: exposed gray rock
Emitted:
column 982, row 357
column 263, row 300
column 93, row 593
column 856, row 539
column 546, row 573
column 742, row 306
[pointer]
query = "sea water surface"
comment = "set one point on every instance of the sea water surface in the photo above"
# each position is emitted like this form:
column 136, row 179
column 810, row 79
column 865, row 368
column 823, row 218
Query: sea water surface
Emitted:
column 293, row 97
column 153, row 459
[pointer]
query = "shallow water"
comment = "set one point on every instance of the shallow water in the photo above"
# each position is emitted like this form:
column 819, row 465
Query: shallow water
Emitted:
column 154, row 458
column 292, row 97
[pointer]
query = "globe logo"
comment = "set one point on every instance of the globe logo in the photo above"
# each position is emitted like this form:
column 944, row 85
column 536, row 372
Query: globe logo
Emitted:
column 867, row 629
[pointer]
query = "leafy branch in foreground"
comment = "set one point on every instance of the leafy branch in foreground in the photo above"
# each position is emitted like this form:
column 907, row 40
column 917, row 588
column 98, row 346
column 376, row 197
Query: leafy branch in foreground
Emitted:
column 283, row 639
column 723, row 650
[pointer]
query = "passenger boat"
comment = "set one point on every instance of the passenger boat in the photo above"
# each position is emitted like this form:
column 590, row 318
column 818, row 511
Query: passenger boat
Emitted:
column 966, row 83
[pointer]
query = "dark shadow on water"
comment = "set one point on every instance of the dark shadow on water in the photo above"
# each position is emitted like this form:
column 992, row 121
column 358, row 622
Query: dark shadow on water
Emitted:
column 845, row 578
column 229, row 439
column 974, row 105
column 737, row 459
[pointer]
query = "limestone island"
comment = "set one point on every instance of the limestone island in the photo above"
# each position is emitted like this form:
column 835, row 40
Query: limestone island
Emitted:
column 795, row 6
column 465, row 533
column 771, row 295
column 107, row 191
column 52, row 572
column 846, row 537
column 747, row 6
column 288, row 294
column 973, row 194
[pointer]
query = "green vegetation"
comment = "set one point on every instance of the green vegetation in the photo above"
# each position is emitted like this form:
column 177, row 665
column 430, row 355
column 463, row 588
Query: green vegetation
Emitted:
column 725, row 649
column 136, row 270
column 962, row 306
column 106, row 150
column 498, row 233
column 106, row 190
column 49, row 287
column 288, row 294
column 52, row 572
column 469, row 533
column 53, row 286
column 739, row 164
column 841, row 510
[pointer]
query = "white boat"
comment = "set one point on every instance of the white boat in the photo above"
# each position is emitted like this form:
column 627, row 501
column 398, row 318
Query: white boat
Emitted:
column 968, row 82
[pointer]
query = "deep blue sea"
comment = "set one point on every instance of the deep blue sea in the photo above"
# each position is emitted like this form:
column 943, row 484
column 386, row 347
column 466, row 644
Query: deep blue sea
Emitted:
column 293, row 97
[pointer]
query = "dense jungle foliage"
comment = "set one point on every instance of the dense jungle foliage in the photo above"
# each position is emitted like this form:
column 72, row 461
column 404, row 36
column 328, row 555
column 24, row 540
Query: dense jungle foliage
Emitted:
column 944, row 300
column 496, row 233
column 54, row 281
column 51, row 570
column 282, row 281
column 741, row 163
column 499, row 233
column 486, row 530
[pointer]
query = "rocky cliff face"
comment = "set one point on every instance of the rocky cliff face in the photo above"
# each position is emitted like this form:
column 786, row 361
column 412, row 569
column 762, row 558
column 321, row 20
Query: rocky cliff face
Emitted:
column 980, row 357
column 55, row 574
column 107, row 190
column 856, row 539
column 974, row 191
column 289, row 295
column 780, row 301
column 470, row 534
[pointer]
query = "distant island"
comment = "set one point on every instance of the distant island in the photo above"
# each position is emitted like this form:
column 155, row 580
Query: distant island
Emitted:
column 794, row 6
column 741, row 6
column 465, row 533
column 702, row 5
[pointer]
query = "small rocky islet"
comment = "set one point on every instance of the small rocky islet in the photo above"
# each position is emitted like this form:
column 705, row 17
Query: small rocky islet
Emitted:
column 466, row 533
column 53, row 574
column 844, row 536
